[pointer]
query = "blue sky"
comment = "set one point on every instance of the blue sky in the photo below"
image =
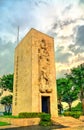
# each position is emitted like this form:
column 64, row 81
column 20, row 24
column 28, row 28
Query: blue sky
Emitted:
column 62, row 19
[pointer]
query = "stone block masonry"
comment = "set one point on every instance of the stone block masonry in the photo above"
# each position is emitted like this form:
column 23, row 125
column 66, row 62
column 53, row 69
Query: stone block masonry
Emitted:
column 34, row 75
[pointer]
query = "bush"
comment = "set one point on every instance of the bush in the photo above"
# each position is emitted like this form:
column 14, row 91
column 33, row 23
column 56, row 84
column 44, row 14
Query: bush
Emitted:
column 7, row 113
column 78, row 107
column 66, row 113
column 75, row 114
column 45, row 123
column 45, row 117
column 29, row 115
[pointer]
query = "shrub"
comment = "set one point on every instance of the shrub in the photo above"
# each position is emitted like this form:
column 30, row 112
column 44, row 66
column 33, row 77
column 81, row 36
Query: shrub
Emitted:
column 66, row 113
column 7, row 113
column 45, row 123
column 75, row 114
column 78, row 107
column 29, row 115
column 45, row 117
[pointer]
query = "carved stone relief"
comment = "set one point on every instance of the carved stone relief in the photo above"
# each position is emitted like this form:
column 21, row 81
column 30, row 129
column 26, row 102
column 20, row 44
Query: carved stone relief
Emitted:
column 44, row 68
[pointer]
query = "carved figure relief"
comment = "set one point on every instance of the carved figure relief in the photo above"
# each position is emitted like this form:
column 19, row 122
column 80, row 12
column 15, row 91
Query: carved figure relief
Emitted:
column 44, row 68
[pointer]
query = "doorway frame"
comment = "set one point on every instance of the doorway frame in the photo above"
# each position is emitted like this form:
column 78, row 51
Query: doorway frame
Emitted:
column 49, row 98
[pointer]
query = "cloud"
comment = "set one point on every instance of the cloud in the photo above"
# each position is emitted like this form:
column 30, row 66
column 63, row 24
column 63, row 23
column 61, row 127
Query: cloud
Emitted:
column 81, row 1
column 66, row 37
column 80, row 36
column 78, row 46
column 17, row 13
column 60, row 19
column 76, row 49
column 6, row 57
column 61, row 55
column 37, row 3
column 67, row 8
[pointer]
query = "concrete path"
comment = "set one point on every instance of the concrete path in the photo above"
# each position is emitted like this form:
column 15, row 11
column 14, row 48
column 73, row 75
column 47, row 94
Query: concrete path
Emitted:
column 7, row 126
column 68, row 121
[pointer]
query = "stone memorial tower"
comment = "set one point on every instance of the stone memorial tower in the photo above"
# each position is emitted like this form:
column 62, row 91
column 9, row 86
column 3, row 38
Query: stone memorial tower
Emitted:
column 34, row 75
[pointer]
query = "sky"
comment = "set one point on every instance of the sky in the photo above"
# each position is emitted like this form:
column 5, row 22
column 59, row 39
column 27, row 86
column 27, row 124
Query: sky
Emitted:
column 61, row 19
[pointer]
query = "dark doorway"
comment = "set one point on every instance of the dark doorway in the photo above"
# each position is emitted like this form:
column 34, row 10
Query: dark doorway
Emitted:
column 46, row 104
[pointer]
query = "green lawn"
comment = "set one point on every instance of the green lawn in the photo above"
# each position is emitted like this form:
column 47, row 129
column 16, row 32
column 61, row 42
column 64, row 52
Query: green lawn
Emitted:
column 8, row 116
column 4, row 123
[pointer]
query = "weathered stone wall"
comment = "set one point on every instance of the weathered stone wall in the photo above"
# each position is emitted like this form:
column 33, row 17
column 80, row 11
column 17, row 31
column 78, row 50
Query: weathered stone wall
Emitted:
column 22, row 77
column 36, row 73
column 48, row 89
column 22, row 121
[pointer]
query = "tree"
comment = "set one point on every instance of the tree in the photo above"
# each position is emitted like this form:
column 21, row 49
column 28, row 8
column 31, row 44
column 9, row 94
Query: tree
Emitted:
column 77, row 77
column 6, row 82
column 66, row 91
column 60, row 92
column 7, row 101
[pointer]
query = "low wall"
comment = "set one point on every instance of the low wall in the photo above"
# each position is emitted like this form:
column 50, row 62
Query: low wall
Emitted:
column 21, row 121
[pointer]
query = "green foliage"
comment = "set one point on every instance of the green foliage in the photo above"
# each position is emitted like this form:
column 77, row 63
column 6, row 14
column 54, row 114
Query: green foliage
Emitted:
column 6, row 82
column 77, row 108
column 4, row 123
column 29, row 115
column 7, row 101
column 45, row 118
column 75, row 114
column 72, row 86
column 66, row 91
column 45, row 123
column 8, row 116
column 7, row 113
column 77, row 77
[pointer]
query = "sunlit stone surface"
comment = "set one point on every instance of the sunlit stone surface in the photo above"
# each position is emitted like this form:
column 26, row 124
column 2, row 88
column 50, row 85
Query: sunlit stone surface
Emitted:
column 34, row 75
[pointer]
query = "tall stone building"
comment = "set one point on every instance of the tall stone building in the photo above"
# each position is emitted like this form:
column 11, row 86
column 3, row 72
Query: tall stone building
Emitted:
column 34, row 75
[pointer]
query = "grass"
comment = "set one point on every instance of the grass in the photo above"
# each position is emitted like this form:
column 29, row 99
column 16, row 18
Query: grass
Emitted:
column 8, row 116
column 4, row 123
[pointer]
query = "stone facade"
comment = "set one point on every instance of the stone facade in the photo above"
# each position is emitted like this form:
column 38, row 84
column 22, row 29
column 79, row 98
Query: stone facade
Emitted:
column 34, row 75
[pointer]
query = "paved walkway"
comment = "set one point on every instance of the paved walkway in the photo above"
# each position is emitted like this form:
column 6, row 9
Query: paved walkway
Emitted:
column 7, row 126
column 68, row 122
column 74, row 128
column 39, row 128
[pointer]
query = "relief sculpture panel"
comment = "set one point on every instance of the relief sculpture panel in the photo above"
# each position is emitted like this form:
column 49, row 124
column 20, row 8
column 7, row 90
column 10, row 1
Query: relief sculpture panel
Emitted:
column 44, row 68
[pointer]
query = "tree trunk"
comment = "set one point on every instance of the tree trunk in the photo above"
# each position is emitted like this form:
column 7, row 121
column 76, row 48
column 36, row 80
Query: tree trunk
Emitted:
column 82, row 98
column 69, row 106
column 83, row 105
column 5, row 108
